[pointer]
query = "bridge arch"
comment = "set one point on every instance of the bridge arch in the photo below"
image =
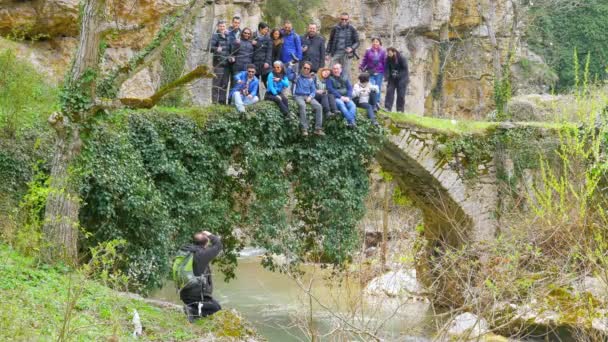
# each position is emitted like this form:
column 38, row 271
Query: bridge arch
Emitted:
column 455, row 209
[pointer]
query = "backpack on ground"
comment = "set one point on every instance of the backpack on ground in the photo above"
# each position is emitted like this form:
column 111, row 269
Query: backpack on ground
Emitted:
column 183, row 272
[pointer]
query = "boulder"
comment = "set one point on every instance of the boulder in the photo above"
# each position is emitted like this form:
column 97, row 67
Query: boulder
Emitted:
column 537, row 107
column 467, row 326
column 393, row 284
column 594, row 286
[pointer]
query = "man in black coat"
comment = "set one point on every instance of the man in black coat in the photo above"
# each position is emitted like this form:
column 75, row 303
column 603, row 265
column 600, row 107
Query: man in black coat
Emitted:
column 313, row 48
column 220, row 47
column 198, row 299
column 343, row 43
column 262, row 52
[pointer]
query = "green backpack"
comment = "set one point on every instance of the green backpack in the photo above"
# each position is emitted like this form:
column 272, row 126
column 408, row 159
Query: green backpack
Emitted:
column 183, row 273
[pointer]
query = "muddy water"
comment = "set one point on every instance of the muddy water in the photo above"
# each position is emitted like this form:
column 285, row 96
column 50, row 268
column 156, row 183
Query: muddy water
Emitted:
column 278, row 306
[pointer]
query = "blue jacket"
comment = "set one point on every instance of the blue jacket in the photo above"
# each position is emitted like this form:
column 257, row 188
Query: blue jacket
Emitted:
column 291, row 44
column 253, row 85
column 305, row 86
column 275, row 88
column 339, row 86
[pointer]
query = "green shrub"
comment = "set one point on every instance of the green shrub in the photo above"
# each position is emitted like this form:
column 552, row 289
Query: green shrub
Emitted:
column 26, row 99
column 557, row 31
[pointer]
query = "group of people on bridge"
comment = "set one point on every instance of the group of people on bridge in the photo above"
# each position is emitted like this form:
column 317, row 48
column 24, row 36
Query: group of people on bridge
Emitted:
column 290, row 65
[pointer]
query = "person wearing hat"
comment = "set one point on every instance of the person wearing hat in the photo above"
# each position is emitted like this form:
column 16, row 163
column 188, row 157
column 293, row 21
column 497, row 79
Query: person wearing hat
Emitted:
column 373, row 63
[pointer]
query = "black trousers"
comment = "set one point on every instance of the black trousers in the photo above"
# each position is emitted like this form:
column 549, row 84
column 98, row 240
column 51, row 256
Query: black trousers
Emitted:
column 328, row 102
column 399, row 86
column 281, row 101
column 209, row 307
column 220, row 85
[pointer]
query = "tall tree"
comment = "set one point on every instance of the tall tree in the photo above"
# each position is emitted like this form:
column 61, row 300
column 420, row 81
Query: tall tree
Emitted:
column 87, row 93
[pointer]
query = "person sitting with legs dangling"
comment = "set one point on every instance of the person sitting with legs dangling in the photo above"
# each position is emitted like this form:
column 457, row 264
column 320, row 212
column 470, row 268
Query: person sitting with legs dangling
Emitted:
column 304, row 92
column 365, row 95
column 245, row 90
column 342, row 90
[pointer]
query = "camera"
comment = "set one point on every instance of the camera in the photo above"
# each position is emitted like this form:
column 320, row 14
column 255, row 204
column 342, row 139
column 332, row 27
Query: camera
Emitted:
column 294, row 59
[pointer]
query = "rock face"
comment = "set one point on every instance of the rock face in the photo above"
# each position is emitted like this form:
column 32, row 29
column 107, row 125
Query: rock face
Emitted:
column 46, row 34
column 447, row 44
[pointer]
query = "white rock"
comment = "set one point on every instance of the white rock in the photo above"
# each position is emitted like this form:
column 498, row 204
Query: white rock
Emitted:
column 138, row 329
column 596, row 287
column 392, row 284
column 469, row 325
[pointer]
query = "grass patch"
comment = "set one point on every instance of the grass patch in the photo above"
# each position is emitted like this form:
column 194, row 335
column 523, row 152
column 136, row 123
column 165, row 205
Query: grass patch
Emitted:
column 450, row 127
column 26, row 98
column 444, row 126
column 33, row 298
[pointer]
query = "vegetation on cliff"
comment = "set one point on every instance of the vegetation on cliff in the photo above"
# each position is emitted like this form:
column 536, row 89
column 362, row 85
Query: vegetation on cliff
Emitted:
column 562, row 28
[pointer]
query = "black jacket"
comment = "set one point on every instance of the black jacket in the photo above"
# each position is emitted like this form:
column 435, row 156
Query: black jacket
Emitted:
column 262, row 53
column 315, row 52
column 242, row 51
column 277, row 51
column 347, row 34
column 397, row 69
column 201, row 265
column 219, row 40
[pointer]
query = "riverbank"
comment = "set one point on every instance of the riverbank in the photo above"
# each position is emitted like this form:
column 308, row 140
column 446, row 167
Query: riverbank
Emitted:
column 41, row 302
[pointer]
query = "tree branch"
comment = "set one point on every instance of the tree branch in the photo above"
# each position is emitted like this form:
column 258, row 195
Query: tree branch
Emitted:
column 108, row 27
column 154, row 49
column 201, row 71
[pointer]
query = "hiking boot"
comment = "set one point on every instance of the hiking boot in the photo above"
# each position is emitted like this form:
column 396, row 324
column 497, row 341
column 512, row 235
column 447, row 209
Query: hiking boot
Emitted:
column 351, row 125
column 304, row 133
column 319, row 132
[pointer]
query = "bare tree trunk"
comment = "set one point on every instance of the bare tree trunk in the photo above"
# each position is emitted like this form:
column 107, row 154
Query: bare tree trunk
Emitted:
column 62, row 206
column 63, row 203
column 388, row 191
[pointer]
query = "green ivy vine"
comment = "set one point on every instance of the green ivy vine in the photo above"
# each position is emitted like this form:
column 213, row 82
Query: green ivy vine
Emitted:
column 153, row 178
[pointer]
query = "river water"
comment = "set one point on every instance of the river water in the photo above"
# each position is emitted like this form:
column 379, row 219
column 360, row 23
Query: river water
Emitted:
column 279, row 308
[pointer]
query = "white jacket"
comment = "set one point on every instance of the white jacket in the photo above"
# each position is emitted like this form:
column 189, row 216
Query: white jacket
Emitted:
column 362, row 91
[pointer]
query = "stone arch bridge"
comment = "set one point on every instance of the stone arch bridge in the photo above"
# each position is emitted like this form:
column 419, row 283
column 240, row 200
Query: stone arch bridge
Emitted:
column 453, row 170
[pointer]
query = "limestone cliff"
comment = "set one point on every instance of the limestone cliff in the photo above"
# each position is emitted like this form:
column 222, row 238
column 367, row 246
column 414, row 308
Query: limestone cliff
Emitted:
column 448, row 46
column 447, row 43
column 45, row 32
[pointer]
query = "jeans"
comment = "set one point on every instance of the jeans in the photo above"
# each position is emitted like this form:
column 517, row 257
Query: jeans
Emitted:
column 342, row 58
column 377, row 80
column 370, row 106
column 348, row 109
column 328, row 102
column 281, row 101
column 399, row 86
column 316, row 106
column 241, row 101
column 220, row 84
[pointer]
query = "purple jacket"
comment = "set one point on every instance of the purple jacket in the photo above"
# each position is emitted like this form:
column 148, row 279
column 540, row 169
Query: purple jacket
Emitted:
column 368, row 63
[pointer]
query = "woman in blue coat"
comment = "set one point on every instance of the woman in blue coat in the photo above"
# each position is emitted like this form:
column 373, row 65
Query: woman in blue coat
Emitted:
column 278, row 83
